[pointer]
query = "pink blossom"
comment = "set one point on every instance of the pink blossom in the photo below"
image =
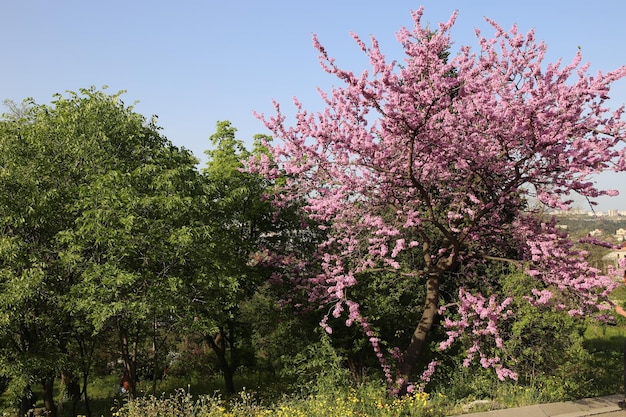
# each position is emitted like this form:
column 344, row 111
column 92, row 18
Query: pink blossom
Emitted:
column 405, row 152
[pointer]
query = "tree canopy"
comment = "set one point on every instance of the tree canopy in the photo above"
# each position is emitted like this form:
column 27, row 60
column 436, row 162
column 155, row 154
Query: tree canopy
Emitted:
column 111, row 234
column 99, row 214
column 431, row 169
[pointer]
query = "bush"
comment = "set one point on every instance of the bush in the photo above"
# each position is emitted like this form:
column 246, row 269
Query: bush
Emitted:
column 179, row 404
column 542, row 342
column 318, row 368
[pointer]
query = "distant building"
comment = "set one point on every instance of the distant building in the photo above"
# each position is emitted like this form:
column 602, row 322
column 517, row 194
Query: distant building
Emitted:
column 620, row 235
column 612, row 258
column 595, row 233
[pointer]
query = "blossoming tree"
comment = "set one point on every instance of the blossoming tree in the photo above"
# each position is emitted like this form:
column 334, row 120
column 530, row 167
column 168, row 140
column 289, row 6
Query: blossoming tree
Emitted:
column 439, row 159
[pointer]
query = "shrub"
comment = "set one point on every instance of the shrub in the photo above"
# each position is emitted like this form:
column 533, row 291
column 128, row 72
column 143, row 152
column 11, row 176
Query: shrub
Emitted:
column 318, row 368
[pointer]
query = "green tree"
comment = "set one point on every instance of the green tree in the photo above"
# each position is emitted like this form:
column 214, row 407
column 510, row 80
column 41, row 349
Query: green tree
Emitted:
column 98, row 213
column 243, row 221
column 137, row 218
column 36, row 184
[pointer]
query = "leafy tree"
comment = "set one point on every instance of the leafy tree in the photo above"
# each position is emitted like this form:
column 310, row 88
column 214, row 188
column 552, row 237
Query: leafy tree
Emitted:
column 539, row 339
column 36, row 185
column 98, row 214
column 244, row 223
column 425, row 170
column 138, row 215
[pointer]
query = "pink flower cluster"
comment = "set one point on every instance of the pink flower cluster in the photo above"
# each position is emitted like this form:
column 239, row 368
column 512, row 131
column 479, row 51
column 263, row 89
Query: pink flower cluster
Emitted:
column 480, row 316
column 562, row 270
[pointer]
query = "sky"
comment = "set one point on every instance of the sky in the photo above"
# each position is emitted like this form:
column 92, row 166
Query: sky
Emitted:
column 194, row 63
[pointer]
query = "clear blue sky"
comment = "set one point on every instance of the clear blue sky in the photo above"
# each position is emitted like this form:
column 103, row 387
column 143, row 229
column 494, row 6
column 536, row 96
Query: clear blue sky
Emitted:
column 196, row 62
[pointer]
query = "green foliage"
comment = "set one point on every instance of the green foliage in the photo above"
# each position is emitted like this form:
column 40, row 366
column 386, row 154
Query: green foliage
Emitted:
column 318, row 368
column 278, row 333
column 557, row 358
column 99, row 215
column 109, row 232
column 541, row 342
column 241, row 224
column 387, row 299
column 600, row 373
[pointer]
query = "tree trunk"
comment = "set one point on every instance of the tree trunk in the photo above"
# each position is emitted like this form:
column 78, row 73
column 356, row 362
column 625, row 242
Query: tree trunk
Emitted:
column 47, row 392
column 155, row 359
column 219, row 346
column 229, row 380
column 420, row 334
column 85, row 396
column 86, row 355
column 129, row 356
column 27, row 402
column 70, row 384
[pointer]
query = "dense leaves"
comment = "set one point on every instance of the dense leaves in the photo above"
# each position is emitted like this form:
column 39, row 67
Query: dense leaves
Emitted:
column 99, row 214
